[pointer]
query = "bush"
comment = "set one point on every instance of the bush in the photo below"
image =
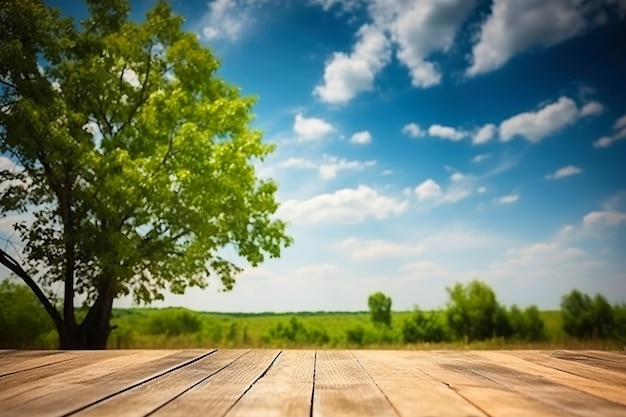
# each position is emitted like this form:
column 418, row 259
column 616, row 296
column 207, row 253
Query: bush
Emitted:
column 296, row 332
column 527, row 324
column 355, row 335
column 174, row 322
column 473, row 313
column 24, row 323
column 585, row 317
column 380, row 308
column 424, row 327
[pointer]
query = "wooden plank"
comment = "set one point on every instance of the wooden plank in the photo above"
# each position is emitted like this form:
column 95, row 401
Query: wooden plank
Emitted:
column 285, row 390
column 28, row 364
column 32, row 378
column 552, row 394
column 147, row 397
column 572, row 364
column 343, row 387
column 492, row 398
column 74, row 390
column 19, row 355
column 411, row 391
column 216, row 395
column 610, row 362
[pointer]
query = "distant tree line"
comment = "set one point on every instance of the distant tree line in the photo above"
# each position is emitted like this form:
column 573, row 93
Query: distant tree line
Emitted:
column 472, row 314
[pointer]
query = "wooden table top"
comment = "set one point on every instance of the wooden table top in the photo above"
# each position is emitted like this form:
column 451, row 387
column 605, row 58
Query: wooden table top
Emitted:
column 268, row 383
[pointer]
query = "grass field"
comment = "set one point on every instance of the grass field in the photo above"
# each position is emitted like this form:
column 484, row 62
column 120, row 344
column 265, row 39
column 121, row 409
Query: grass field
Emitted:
column 233, row 330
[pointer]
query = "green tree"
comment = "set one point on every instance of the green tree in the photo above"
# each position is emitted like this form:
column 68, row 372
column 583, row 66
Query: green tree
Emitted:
column 380, row 308
column 473, row 312
column 526, row 324
column 423, row 327
column 23, row 321
column 586, row 317
column 136, row 161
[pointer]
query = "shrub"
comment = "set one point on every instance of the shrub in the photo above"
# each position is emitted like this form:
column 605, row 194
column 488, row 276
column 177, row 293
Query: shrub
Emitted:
column 424, row 327
column 355, row 335
column 587, row 317
column 174, row 322
column 526, row 324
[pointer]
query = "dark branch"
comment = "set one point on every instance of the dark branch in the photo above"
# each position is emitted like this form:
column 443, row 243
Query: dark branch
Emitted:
column 14, row 266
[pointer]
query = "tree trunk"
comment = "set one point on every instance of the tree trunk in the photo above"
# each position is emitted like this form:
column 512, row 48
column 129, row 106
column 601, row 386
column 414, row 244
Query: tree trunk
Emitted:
column 93, row 332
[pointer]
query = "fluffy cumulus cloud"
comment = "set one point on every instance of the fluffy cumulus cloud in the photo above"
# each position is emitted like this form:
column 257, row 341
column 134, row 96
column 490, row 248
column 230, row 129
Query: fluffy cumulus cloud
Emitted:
column 361, row 138
column 428, row 190
column 420, row 29
column 311, row 128
column 348, row 205
column 346, row 75
column 413, row 130
column 507, row 199
column 229, row 19
column 446, row 132
column 516, row 26
column 363, row 250
column 602, row 219
column 537, row 125
column 619, row 133
column 484, row 134
column 461, row 186
column 563, row 172
column 329, row 166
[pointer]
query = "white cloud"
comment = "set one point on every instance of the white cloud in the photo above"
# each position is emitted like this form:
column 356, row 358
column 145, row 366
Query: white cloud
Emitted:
column 331, row 165
column 482, row 190
column 387, row 172
column 344, row 5
column 484, row 134
column 346, row 75
column 428, row 190
column 457, row 176
column 419, row 29
column 311, row 128
column 297, row 163
column 348, row 205
column 535, row 126
column 563, row 172
column 446, row 132
column 619, row 128
column 376, row 249
column 601, row 219
column 481, row 157
column 413, row 130
column 328, row 167
column 593, row 108
column 516, row 26
column 507, row 199
column 361, row 138
column 228, row 19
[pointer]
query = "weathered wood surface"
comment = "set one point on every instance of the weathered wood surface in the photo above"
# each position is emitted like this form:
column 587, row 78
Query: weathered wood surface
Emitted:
column 267, row 383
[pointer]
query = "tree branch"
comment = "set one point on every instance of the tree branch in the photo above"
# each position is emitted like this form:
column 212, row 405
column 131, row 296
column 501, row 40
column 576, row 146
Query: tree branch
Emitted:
column 14, row 266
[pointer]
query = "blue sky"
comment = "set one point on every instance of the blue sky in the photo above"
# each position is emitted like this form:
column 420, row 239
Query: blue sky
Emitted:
column 423, row 143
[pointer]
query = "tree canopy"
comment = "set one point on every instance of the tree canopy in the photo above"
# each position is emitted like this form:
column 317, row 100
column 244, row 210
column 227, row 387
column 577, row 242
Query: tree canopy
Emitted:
column 135, row 159
column 380, row 308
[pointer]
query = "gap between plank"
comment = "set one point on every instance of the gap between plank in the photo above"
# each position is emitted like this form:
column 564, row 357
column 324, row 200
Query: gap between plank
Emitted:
column 393, row 407
column 253, row 382
column 38, row 366
column 197, row 383
column 457, row 392
column 143, row 381
column 313, row 385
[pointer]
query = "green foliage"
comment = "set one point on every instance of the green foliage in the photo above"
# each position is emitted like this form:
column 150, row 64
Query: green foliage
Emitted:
column 473, row 312
column 296, row 333
column 619, row 322
column 174, row 322
column 23, row 321
column 380, row 308
column 527, row 324
column 586, row 317
column 424, row 327
column 355, row 335
column 135, row 158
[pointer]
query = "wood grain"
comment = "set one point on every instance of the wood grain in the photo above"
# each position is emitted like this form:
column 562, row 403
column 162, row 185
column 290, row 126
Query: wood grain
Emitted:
column 343, row 387
column 411, row 391
column 218, row 394
column 285, row 390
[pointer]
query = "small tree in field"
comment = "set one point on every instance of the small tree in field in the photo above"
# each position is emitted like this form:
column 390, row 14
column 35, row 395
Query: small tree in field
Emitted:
column 380, row 308
column 134, row 159
column 586, row 317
